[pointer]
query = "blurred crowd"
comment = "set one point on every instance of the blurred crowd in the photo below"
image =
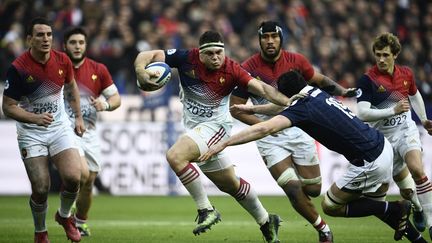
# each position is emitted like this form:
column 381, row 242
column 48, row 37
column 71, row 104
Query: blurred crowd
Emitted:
column 335, row 35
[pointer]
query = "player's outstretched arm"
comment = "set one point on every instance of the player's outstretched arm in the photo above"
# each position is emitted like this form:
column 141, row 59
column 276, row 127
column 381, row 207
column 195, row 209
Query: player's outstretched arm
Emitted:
column 264, row 90
column 330, row 86
column 249, row 134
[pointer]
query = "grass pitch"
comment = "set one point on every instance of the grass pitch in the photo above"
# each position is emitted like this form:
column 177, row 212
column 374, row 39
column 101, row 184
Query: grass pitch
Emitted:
column 171, row 219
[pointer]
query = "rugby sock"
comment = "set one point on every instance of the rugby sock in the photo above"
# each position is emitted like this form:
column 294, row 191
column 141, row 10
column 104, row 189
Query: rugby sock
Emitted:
column 424, row 193
column 79, row 220
column 366, row 207
column 190, row 178
column 67, row 199
column 411, row 233
column 39, row 213
column 408, row 183
column 248, row 199
column 320, row 225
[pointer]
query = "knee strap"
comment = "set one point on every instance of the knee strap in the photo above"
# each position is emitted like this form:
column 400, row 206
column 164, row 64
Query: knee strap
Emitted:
column 312, row 181
column 332, row 202
column 286, row 176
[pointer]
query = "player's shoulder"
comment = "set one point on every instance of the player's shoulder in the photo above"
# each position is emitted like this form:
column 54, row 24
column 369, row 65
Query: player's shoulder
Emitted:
column 292, row 56
column 404, row 70
column 60, row 57
column 252, row 61
column 22, row 60
column 93, row 64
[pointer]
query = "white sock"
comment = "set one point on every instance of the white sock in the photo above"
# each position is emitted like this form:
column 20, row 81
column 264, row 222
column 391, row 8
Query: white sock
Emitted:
column 67, row 199
column 424, row 193
column 190, row 178
column 248, row 199
column 39, row 214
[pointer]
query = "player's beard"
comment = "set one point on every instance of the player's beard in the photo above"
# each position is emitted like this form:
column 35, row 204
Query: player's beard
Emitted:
column 271, row 56
column 77, row 60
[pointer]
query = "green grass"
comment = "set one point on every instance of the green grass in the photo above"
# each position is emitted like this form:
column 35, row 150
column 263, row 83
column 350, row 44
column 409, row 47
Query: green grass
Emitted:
column 171, row 219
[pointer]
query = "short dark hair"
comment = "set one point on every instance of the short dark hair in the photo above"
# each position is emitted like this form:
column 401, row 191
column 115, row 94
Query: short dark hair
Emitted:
column 387, row 39
column 74, row 31
column 291, row 83
column 210, row 36
column 35, row 21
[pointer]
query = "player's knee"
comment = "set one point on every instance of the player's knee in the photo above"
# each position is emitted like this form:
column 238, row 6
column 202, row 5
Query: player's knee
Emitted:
column 312, row 186
column 407, row 187
column 406, row 193
column 312, row 190
column 40, row 190
column 330, row 206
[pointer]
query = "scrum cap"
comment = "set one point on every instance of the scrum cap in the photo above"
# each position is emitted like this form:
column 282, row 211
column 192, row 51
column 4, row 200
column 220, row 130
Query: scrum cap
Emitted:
column 270, row 26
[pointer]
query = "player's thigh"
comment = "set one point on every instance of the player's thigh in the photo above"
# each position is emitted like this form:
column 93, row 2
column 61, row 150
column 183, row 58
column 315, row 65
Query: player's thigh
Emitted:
column 184, row 149
column 38, row 173
column 278, row 168
column 413, row 159
column 309, row 171
column 68, row 164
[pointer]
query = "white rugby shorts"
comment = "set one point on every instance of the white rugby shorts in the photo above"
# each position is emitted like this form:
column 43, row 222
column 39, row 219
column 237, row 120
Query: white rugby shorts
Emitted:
column 205, row 135
column 403, row 142
column 289, row 142
column 89, row 147
column 47, row 143
column 371, row 176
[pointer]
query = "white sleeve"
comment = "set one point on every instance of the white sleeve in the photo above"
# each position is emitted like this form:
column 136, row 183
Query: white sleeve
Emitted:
column 418, row 106
column 365, row 113
column 109, row 91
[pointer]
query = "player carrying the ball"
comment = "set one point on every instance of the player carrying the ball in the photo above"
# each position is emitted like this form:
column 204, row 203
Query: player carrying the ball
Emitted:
column 207, row 78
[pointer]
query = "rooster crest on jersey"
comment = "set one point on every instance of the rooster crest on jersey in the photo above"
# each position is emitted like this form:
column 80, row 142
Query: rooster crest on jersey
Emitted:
column 163, row 72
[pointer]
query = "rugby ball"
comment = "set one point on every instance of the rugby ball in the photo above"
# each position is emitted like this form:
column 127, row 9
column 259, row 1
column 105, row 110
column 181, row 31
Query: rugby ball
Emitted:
column 163, row 72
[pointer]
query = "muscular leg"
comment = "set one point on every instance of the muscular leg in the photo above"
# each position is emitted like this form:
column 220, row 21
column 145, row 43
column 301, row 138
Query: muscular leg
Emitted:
column 423, row 184
column 68, row 164
column 339, row 203
column 310, row 177
column 84, row 199
column 38, row 174
column 241, row 190
column 179, row 157
column 293, row 189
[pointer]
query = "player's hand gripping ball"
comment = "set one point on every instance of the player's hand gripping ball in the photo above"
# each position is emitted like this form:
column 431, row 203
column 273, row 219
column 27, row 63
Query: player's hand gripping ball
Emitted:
column 162, row 74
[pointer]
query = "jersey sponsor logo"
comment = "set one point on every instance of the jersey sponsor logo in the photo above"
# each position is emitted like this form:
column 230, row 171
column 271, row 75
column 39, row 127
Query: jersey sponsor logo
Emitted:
column 6, row 84
column 94, row 77
column 171, row 51
column 222, row 80
column 60, row 71
column 29, row 79
column 355, row 184
column 381, row 89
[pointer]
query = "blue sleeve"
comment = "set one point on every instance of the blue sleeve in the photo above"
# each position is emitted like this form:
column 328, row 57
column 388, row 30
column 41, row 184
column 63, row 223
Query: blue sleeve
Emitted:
column 365, row 90
column 176, row 57
column 13, row 87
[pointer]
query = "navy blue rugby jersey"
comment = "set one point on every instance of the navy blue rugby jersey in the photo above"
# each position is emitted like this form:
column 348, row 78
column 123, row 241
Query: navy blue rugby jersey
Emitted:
column 335, row 126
